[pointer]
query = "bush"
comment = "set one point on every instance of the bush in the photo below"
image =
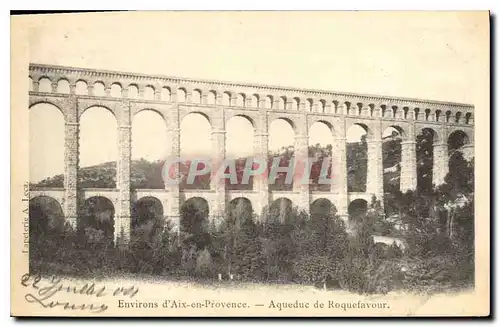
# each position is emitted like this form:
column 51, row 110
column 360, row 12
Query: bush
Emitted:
column 153, row 250
column 313, row 269
column 357, row 274
column 436, row 273
column 188, row 260
column 383, row 277
column 352, row 275
column 204, row 264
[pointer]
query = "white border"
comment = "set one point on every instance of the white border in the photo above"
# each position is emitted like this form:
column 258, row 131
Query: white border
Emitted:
column 492, row 5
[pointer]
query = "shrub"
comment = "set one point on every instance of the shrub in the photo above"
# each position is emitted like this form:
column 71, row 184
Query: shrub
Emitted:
column 188, row 260
column 352, row 275
column 394, row 252
column 383, row 277
column 435, row 273
column 312, row 269
column 204, row 264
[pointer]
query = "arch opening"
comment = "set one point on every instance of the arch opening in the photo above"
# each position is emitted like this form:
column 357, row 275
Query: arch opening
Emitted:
column 46, row 145
column 357, row 157
column 321, row 150
column 416, row 114
column 458, row 149
column 428, row 115
column 63, row 86
column 149, row 93
column 240, row 148
column 211, row 97
column 196, row 97
column 195, row 144
column 240, row 100
column 149, row 144
column 45, row 215
column 309, row 105
column 194, row 223
column 255, row 101
column 281, row 146
column 133, row 91
column 181, row 95
column 44, row 85
column 98, row 148
column 323, row 218
column 392, row 137
column 357, row 209
column 322, row 106
column 147, row 219
column 46, row 226
column 468, row 118
column 282, row 211
column 98, row 89
column 240, row 211
column 322, row 208
column 268, row 102
column 282, row 103
column 425, row 159
column 457, row 140
column 97, row 222
column 81, row 88
column 116, row 90
column 226, row 99
column 439, row 115
column 166, row 94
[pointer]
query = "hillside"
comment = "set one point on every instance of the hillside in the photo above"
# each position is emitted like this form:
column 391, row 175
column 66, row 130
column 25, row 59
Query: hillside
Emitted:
column 147, row 175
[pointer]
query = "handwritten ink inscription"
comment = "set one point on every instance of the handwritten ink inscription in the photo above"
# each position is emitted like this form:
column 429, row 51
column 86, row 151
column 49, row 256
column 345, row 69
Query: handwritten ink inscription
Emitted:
column 43, row 291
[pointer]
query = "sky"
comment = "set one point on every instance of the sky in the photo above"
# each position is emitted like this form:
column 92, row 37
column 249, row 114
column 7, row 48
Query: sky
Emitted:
column 418, row 55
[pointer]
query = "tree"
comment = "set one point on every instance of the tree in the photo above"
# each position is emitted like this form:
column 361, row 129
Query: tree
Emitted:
column 458, row 189
column 204, row 264
column 357, row 161
column 194, row 223
column 281, row 220
column 320, row 246
column 247, row 256
column 425, row 154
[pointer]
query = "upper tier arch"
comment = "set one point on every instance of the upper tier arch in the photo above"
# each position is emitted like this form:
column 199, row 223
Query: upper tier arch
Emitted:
column 253, row 97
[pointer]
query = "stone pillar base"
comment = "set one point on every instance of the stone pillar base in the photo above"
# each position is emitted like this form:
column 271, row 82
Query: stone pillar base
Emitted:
column 122, row 230
column 380, row 199
column 440, row 163
column 408, row 181
column 347, row 224
column 173, row 222
column 341, row 204
column 72, row 221
column 215, row 222
column 374, row 174
column 304, row 200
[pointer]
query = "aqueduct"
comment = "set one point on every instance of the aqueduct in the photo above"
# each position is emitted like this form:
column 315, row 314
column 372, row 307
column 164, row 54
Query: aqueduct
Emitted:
column 74, row 90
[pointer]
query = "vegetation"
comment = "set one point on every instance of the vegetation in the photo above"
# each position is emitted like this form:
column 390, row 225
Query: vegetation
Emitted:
column 436, row 226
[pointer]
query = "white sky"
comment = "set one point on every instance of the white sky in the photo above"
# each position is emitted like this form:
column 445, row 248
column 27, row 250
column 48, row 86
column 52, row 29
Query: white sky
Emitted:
column 431, row 56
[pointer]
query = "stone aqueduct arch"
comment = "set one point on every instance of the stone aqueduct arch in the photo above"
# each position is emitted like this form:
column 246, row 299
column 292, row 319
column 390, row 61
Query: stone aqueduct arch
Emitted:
column 74, row 90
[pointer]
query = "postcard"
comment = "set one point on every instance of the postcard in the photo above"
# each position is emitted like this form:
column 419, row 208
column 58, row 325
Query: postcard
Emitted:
column 250, row 164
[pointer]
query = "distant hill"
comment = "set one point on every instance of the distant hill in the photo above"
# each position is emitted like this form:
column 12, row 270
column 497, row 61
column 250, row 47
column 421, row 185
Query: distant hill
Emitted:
column 144, row 174
column 147, row 175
